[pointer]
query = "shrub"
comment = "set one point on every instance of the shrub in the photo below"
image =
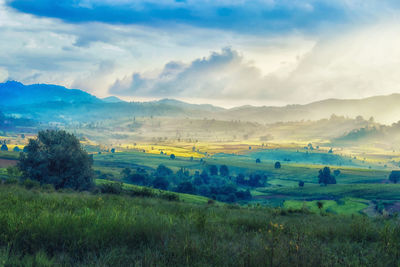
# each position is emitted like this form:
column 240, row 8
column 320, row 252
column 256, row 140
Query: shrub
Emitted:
column 169, row 196
column 142, row 192
column 111, row 188
column 29, row 184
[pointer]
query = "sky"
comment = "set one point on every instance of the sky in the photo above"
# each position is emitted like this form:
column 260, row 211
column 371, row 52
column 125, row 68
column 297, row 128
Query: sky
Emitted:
column 226, row 53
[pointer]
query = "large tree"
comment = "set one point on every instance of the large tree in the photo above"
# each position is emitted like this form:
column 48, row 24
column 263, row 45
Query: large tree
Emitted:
column 56, row 157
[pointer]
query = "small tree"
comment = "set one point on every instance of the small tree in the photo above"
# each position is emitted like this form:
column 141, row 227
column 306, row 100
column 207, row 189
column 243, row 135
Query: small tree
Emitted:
column 57, row 158
column 4, row 147
column 213, row 170
column 258, row 161
column 336, row 172
column 161, row 183
column 172, row 156
column 301, row 184
column 394, row 176
column 325, row 177
column 224, row 171
column 277, row 165
column 186, row 187
column 163, row 171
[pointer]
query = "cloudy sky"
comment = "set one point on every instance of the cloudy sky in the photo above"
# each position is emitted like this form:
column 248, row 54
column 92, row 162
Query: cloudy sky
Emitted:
column 228, row 53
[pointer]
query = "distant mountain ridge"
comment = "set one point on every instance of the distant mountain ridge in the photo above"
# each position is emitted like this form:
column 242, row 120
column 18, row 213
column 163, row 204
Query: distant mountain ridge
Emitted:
column 384, row 109
column 14, row 93
column 59, row 103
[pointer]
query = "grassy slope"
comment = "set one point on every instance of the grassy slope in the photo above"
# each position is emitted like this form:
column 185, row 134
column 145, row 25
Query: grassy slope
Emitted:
column 194, row 199
column 50, row 229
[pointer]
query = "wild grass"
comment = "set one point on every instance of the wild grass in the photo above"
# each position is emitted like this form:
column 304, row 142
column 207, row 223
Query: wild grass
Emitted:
column 39, row 228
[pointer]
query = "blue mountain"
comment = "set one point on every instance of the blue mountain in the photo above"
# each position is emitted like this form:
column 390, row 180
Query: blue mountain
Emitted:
column 14, row 93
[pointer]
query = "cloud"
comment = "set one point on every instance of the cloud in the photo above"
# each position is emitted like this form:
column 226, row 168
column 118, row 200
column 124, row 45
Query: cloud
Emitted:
column 354, row 64
column 223, row 75
column 250, row 16
column 96, row 81
column 3, row 74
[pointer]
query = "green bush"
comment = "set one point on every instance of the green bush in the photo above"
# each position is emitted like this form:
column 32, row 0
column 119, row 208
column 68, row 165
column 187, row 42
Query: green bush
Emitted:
column 111, row 188
column 29, row 184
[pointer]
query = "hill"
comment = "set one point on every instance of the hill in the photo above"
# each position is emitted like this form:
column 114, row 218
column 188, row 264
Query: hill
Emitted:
column 383, row 109
column 13, row 93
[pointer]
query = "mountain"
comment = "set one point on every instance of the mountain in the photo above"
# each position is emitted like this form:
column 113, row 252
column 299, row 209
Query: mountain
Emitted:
column 384, row 109
column 56, row 103
column 112, row 99
column 14, row 93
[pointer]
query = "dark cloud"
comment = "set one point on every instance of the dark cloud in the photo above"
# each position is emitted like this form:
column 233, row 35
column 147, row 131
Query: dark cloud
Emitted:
column 243, row 16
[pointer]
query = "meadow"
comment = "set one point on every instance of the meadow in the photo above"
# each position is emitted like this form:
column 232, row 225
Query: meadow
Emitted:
column 39, row 227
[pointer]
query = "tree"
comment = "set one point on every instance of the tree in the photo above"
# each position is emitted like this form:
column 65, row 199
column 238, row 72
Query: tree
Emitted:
column 224, row 171
column 138, row 178
column 4, row 147
column 172, row 156
column 56, row 157
column 213, row 170
column 301, row 183
column 240, row 179
column 112, row 150
column 325, row 177
column 258, row 161
column 256, row 180
column 336, row 172
column 204, row 176
column 163, row 171
column 186, row 187
column 16, row 149
column 126, row 172
column 394, row 176
column 277, row 165
column 160, row 183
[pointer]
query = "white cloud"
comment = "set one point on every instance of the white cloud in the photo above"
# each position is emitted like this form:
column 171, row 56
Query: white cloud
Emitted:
column 360, row 62
column 3, row 75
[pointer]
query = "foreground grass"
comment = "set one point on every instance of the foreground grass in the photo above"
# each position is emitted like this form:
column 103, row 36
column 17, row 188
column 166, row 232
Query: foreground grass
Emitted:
column 80, row 229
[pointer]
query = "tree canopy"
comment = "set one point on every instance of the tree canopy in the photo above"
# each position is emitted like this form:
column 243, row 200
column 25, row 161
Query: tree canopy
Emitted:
column 56, row 157
column 325, row 176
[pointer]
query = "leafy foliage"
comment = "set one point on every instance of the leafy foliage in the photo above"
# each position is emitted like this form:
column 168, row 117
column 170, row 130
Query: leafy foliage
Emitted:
column 57, row 158
column 325, row 177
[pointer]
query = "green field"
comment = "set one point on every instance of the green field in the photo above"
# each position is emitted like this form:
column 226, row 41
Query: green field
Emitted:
column 282, row 188
column 44, row 228
column 282, row 184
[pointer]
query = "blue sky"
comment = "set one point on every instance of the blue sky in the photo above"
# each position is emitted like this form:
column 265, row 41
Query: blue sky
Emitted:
column 262, row 52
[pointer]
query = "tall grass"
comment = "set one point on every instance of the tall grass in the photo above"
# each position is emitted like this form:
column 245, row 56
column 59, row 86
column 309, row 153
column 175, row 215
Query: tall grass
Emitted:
column 80, row 229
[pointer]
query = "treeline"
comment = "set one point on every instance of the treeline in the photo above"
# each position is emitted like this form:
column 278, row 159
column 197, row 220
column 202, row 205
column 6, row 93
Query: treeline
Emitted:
column 214, row 182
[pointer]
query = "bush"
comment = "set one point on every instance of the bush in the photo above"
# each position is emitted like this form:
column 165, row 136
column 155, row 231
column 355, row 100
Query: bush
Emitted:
column 11, row 181
column 111, row 188
column 169, row 196
column 142, row 192
column 29, row 184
